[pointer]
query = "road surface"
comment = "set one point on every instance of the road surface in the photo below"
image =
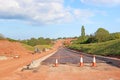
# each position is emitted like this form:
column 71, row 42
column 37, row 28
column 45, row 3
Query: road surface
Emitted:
column 66, row 56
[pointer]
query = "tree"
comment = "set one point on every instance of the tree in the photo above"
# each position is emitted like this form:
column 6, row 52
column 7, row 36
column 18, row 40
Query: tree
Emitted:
column 114, row 36
column 91, row 39
column 83, row 31
column 102, row 35
column 83, row 37
column 39, row 41
column 32, row 42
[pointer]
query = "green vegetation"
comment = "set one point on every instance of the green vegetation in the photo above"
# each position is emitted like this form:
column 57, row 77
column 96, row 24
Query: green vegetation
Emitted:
column 114, row 36
column 102, row 35
column 31, row 48
column 104, row 48
column 82, row 38
column 12, row 40
column 41, row 47
column 101, row 43
column 83, row 31
column 39, row 41
column 32, row 43
column 28, row 47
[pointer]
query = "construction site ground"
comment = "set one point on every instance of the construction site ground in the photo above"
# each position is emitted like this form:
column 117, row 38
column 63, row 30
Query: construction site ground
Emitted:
column 67, row 72
column 10, row 69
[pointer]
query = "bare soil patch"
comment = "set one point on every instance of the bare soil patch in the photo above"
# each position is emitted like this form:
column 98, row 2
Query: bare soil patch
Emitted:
column 68, row 72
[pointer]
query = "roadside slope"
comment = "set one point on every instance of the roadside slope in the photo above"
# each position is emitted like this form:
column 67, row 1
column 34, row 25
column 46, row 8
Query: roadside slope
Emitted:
column 109, row 48
column 10, row 66
column 8, row 48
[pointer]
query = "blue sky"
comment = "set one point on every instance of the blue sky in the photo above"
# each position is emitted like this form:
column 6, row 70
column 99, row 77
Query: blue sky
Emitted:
column 23, row 19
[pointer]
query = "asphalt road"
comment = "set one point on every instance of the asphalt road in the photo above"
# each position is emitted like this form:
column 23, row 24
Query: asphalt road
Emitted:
column 66, row 56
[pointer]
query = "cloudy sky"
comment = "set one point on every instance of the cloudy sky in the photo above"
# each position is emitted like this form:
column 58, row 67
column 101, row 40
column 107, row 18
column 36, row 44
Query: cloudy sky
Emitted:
column 23, row 19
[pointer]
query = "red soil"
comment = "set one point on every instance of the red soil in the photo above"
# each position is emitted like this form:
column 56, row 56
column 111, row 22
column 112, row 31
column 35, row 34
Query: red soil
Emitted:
column 8, row 48
column 7, row 67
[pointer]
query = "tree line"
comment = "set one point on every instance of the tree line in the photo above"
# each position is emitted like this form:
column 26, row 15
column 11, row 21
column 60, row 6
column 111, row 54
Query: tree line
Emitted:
column 31, row 42
column 101, row 35
column 37, row 41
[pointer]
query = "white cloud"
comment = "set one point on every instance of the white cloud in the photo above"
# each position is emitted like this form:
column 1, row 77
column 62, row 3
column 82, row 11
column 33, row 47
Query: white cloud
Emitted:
column 83, row 15
column 102, row 2
column 39, row 11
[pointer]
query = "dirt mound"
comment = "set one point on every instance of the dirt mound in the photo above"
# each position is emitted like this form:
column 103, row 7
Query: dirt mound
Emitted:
column 11, row 48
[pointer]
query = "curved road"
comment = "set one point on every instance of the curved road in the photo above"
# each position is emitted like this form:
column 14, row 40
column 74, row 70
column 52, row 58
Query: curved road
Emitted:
column 66, row 56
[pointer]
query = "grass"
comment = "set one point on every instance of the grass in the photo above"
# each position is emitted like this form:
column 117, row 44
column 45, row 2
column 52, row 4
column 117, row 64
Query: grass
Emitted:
column 109, row 48
column 28, row 47
column 41, row 47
